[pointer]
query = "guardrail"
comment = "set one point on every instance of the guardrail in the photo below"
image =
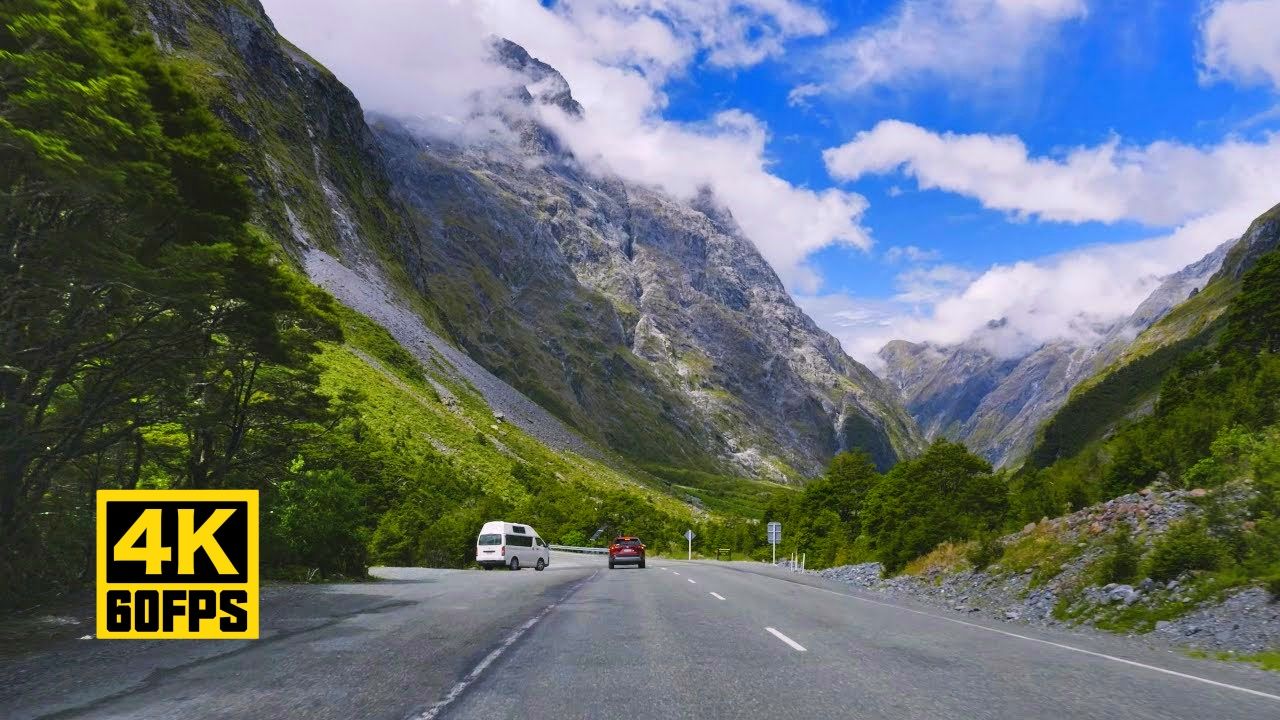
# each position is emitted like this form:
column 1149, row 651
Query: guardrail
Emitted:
column 584, row 550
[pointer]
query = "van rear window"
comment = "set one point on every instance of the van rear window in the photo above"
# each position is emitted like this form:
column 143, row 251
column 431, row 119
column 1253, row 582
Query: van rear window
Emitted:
column 489, row 539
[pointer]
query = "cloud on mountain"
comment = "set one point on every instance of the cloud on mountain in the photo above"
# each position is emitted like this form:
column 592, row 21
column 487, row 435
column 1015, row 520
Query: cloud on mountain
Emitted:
column 431, row 61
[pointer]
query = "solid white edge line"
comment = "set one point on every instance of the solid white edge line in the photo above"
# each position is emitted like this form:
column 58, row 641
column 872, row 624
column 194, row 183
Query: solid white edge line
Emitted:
column 695, row 582
column 717, row 596
column 794, row 645
column 461, row 686
column 1072, row 648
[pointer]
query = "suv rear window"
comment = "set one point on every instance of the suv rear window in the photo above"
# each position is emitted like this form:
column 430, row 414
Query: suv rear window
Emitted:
column 632, row 542
column 489, row 539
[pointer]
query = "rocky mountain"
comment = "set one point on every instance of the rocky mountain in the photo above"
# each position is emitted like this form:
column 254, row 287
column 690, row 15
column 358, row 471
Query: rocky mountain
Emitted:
column 650, row 322
column 646, row 323
column 997, row 404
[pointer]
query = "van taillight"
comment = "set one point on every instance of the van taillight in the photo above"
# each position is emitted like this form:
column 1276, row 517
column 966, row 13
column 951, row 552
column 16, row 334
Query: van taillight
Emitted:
column 504, row 551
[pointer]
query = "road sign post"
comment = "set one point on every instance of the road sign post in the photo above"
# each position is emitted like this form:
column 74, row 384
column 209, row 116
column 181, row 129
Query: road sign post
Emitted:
column 775, row 537
column 688, row 535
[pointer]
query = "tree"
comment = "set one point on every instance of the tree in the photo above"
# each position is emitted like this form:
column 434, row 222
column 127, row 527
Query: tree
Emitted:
column 135, row 293
column 947, row 493
column 1253, row 320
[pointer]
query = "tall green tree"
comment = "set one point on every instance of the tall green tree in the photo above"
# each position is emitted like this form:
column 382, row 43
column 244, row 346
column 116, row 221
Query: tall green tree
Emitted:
column 134, row 293
column 947, row 493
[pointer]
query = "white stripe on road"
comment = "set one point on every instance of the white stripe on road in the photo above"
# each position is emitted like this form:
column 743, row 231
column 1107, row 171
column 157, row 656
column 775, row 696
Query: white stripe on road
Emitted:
column 673, row 572
column 695, row 582
column 1028, row 638
column 794, row 645
column 461, row 686
column 717, row 596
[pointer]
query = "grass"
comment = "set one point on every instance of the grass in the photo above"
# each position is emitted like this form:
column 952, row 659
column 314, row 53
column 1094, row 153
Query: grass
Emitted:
column 1042, row 551
column 399, row 404
column 1267, row 660
column 726, row 494
column 947, row 558
column 1142, row 617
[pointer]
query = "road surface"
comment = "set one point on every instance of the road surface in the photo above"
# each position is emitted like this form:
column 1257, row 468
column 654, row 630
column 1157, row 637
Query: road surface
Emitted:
column 678, row 639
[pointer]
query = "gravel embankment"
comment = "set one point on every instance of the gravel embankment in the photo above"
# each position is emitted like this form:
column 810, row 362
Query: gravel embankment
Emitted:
column 1246, row 620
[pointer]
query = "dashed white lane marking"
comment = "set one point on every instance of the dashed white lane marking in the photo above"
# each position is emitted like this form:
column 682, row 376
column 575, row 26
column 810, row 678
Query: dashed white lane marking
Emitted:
column 695, row 582
column 673, row 572
column 717, row 596
column 461, row 686
column 1082, row 651
column 794, row 645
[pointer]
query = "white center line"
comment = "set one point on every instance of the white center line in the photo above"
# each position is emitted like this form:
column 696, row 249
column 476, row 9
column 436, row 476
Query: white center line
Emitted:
column 1062, row 646
column 717, row 596
column 794, row 645
column 695, row 582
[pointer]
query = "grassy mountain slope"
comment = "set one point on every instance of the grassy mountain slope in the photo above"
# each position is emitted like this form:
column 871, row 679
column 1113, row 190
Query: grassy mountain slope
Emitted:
column 1128, row 386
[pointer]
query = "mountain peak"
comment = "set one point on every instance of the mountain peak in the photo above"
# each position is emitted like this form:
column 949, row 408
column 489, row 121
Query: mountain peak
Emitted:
column 546, row 85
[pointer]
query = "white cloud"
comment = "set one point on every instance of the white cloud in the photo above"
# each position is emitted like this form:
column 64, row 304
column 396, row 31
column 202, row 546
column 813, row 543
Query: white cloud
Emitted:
column 1239, row 42
column 1072, row 296
column 428, row 59
column 1208, row 194
column 1161, row 184
column 931, row 284
column 910, row 253
column 800, row 95
column 946, row 40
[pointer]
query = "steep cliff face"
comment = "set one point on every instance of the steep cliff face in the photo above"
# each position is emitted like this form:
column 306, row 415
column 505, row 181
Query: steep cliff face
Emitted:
column 996, row 405
column 309, row 155
column 647, row 323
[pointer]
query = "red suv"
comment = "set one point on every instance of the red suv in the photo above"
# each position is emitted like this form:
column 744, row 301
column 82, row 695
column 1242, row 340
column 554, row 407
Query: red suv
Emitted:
column 626, row 550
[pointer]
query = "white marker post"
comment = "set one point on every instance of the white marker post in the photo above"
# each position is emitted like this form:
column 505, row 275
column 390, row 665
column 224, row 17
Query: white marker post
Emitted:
column 688, row 535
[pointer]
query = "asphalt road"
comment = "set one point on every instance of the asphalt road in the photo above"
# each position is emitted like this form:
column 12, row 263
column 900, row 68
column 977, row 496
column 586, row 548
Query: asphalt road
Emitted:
column 675, row 640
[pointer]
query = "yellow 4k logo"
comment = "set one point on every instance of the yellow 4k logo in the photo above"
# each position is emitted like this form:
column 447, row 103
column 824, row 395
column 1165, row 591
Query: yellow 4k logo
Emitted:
column 178, row 564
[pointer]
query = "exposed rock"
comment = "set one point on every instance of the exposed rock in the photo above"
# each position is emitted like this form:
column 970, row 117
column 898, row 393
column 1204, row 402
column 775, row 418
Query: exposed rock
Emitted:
column 648, row 322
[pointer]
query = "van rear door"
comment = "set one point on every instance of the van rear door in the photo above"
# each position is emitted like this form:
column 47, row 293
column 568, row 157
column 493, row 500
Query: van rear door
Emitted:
column 489, row 547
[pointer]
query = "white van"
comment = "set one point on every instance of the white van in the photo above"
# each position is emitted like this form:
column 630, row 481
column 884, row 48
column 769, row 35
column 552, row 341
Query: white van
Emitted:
column 504, row 544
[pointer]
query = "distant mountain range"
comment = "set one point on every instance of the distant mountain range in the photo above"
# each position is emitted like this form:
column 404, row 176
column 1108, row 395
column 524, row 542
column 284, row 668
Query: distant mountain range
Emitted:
column 996, row 404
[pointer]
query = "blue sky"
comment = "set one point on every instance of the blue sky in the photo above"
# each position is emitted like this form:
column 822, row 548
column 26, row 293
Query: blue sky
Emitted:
column 911, row 168
column 1128, row 70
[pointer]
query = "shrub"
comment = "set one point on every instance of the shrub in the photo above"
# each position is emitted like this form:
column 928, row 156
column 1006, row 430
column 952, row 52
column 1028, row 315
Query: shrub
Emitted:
column 1186, row 546
column 1120, row 563
column 987, row 550
column 319, row 522
column 1273, row 586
